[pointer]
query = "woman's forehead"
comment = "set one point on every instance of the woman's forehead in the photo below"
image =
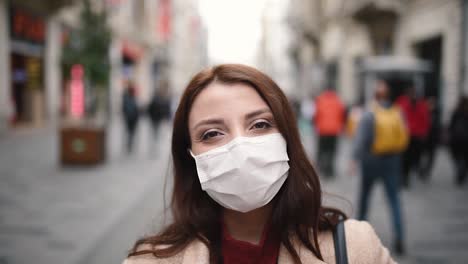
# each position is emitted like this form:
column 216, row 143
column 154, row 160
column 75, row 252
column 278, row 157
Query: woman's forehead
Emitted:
column 221, row 99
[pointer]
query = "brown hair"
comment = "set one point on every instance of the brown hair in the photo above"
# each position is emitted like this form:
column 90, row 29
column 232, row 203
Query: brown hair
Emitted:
column 297, row 210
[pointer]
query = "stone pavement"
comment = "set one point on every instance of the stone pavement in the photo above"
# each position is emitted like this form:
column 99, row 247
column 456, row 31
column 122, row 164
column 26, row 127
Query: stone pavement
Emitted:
column 52, row 214
column 435, row 213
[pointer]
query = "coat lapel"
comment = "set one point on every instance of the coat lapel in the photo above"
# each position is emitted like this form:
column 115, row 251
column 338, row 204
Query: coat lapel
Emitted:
column 196, row 253
column 305, row 255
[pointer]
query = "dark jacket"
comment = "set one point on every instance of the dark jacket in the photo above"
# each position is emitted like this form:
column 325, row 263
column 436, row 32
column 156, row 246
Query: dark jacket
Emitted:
column 159, row 109
column 458, row 132
column 130, row 107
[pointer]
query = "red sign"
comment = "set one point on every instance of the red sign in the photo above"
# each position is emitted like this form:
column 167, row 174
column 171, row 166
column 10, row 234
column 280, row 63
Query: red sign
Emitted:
column 164, row 20
column 26, row 26
column 77, row 91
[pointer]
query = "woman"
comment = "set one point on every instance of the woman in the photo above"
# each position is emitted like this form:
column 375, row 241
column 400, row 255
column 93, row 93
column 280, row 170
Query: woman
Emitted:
column 244, row 190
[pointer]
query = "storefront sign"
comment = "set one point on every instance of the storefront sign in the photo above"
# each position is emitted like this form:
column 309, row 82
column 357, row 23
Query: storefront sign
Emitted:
column 27, row 32
column 26, row 26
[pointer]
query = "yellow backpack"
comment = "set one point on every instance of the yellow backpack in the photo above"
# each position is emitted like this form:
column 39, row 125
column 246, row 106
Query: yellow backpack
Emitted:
column 354, row 117
column 390, row 132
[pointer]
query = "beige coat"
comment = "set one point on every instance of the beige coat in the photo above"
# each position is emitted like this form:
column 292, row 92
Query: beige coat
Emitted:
column 363, row 246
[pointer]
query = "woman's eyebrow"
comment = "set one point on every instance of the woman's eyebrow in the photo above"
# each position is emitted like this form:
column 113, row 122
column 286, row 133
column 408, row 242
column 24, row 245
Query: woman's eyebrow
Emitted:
column 257, row 112
column 210, row 121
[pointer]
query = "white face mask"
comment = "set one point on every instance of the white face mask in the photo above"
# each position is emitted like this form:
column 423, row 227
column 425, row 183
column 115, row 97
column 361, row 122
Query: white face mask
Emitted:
column 246, row 173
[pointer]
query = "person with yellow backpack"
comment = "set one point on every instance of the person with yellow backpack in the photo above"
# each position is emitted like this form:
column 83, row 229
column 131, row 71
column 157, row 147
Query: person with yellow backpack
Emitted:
column 380, row 139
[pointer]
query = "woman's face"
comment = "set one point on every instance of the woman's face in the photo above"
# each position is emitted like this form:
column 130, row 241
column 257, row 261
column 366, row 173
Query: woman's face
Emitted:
column 222, row 112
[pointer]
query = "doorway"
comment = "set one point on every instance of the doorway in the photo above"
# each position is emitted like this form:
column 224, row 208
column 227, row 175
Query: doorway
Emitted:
column 431, row 51
column 27, row 89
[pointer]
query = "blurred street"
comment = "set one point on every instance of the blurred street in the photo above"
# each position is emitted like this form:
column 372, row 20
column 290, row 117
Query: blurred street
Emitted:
column 50, row 214
column 79, row 215
column 435, row 213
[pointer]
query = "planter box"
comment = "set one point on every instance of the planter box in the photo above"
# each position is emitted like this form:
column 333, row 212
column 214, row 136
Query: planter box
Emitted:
column 82, row 145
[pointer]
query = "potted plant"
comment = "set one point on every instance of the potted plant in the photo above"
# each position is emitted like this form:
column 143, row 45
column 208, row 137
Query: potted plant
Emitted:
column 85, row 63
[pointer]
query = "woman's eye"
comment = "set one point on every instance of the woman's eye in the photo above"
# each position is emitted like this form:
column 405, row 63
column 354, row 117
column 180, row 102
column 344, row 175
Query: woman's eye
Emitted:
column 210, row 134
column 261, row 125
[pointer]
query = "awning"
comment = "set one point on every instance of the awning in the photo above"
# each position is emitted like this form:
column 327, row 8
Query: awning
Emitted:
column 47, row 7
column 395, row 64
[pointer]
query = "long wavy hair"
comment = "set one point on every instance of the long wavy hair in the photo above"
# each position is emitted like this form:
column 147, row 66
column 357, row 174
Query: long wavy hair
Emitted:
column 297, row 208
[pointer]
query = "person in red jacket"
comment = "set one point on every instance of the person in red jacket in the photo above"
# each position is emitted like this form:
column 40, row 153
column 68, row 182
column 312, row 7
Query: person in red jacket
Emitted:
column 417, row 115
column 329, row 122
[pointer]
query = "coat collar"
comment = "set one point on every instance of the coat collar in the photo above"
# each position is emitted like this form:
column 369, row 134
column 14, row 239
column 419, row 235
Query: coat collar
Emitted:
column 197, row 253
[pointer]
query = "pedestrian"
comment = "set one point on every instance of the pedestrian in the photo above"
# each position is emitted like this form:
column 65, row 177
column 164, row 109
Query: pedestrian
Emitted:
column 131, row 114
column 458, row 140
column 158, row 110
column 381, row 138
column 329, row 122
column 244, row 190
column 432, row 139
column 416, row 112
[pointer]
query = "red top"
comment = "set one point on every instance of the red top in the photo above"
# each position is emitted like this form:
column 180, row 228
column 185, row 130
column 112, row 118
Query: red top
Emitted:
column 330, row 114
column 240, row 252
column 417, row 115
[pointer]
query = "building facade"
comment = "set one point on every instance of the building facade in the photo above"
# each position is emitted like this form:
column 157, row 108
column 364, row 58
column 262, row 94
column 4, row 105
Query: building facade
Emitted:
column 187, row 49
column 137, row 49
column 275, row 45
column 151, row 40
column 346, row 32
column 29, row 61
